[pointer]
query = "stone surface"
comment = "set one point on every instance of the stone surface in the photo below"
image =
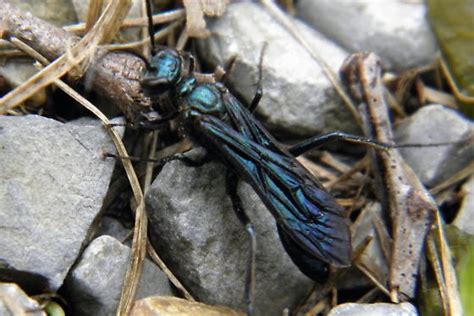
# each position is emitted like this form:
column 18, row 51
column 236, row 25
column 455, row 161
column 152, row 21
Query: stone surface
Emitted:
column 13, row 301
column 465, row 218
column 195, row 230
column 95, row 283
column 297, row 96
column 372, row 258
column 52, row 184
column 18, row 70
column 431, row 125
column 395, row 30
column 377, row 309
column 113, row 227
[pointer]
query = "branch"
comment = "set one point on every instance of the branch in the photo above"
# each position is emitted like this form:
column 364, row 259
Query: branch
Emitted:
column 116, row 75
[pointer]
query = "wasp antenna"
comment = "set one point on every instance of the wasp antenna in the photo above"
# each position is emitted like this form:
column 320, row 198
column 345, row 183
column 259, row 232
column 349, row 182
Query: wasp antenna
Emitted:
column 150, row 25
column 260, row 64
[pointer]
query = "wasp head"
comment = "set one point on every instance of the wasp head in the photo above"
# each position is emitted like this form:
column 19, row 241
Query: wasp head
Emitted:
column 163, row 71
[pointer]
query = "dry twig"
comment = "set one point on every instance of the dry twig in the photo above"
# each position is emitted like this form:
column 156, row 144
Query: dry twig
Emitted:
column 116, row 75
column 410, row 206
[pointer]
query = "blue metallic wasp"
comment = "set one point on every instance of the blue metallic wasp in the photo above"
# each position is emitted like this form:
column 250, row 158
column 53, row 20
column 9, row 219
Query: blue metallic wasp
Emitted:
column 313, row 228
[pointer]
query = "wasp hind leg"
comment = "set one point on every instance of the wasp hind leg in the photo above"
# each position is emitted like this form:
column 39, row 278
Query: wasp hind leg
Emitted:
column 232, row 182
column 162, row 162
column 320, row 140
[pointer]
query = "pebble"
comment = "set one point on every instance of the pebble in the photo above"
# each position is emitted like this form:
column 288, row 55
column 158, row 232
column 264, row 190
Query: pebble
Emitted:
column 377, row 309
column 435, row 124
column 397, row 31
column 95, row 283
column 465, row 218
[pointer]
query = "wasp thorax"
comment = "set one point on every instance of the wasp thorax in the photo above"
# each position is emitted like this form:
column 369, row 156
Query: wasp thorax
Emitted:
column 203, row 98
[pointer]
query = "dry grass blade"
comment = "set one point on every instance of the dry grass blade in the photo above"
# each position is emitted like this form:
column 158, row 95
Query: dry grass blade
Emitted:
column 160, row 18
column 156, row 259
column 157, row 36
column 93, row 13
column 318, row 308
column 132, row 277
column 281, row 17
column 195, row 23
column 457, row 177
column 372, row 278
column 369, row 296
column 316, row 170
column 449, row 273
column 195, row 11
column 439, row 97
column 433, row 257
column 214, row 7
column 333, row 162
column 354, row 172
column 85, row 48
column 183, row 39
column 452, row 84
column 134, row 22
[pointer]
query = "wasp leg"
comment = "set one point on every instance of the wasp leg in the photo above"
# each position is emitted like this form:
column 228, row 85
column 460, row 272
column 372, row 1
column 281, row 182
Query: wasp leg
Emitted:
column 162, row 162
column 320, row 140
column 222, row 73
column 148, row 124
column 256, row 98
column 232, row 182
column 259, row 91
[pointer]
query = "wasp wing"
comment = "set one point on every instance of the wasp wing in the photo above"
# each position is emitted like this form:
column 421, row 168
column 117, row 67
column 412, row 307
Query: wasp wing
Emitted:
column 301, row 206
column 244, row 122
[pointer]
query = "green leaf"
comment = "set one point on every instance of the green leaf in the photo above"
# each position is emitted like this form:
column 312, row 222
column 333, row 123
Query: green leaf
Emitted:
column 453, row 24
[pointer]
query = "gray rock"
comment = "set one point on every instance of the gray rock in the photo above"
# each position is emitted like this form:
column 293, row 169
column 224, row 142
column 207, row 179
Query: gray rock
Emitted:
column 95, row 283
column 372, row 258
column 397, row 31
column 195, row 230
column 52, row 184
column 465, row 218
column 18, row 70
column 431, row 125
column 377, row 309
column 13, row 301
column 113, row 227
column 297, row 96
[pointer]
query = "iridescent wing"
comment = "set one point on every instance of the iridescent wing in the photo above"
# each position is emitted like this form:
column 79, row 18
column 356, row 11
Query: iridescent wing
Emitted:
column 303, row 209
